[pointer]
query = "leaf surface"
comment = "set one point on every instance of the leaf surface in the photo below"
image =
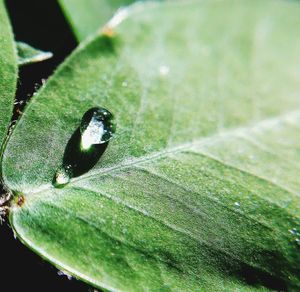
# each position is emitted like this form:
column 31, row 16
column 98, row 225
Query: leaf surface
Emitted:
column 199, row 189
column 85, row 17
column 28, row 55
column 8, row 72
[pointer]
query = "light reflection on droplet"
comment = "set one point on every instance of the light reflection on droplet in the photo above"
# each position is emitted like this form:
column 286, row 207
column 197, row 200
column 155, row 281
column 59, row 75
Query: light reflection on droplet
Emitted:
column 97, row 127
column 93, row 134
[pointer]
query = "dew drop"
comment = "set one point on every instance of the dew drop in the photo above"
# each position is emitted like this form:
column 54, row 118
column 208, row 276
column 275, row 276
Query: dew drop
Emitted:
column 86, row 145
column 237, row 204
column 97, row 127
column 62, row 176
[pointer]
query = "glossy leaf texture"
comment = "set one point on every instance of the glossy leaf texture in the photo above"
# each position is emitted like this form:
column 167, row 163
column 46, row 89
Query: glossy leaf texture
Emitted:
column 87, row 16
column 28, row 55
column 8, row 72
column 199, row 189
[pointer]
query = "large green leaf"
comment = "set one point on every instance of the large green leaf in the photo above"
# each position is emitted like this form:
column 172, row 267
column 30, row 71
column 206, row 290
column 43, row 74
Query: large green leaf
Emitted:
column 86, row 16
column 199, row 189
column 8, row 72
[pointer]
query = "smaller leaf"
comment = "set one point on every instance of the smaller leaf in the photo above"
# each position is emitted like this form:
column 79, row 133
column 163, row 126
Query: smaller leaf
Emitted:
column 8, row 72
column 28, row 55
column 85, row 17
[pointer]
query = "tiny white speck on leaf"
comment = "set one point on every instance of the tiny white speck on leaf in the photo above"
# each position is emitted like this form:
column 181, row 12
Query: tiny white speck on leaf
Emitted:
column 164, row 70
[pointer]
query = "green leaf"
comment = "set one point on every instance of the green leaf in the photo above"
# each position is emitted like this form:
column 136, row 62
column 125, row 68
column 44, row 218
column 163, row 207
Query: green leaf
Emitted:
column 8, row 72
column 199, row 189
column 28, row 55
column 86, row 16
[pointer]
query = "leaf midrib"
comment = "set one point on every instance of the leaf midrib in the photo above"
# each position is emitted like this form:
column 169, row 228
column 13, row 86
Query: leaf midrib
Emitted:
column 267, row 123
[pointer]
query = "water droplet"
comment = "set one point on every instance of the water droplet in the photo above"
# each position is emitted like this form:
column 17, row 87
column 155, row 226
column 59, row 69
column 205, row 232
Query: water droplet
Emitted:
column 63, row 176
column 86, row 145
column 237, row 204
column 164, row 70
column 97, row 127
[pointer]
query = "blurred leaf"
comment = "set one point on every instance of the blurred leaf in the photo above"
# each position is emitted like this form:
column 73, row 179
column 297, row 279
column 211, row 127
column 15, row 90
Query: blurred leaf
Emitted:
column 86, row 16
column 8, row 72
column 28, row 55
column 199, row 189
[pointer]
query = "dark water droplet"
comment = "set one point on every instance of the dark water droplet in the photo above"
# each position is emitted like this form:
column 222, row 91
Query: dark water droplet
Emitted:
column 86, row 145
column 97, row 127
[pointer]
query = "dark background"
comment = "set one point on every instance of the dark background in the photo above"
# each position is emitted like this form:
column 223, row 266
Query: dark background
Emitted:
column 42, row 25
